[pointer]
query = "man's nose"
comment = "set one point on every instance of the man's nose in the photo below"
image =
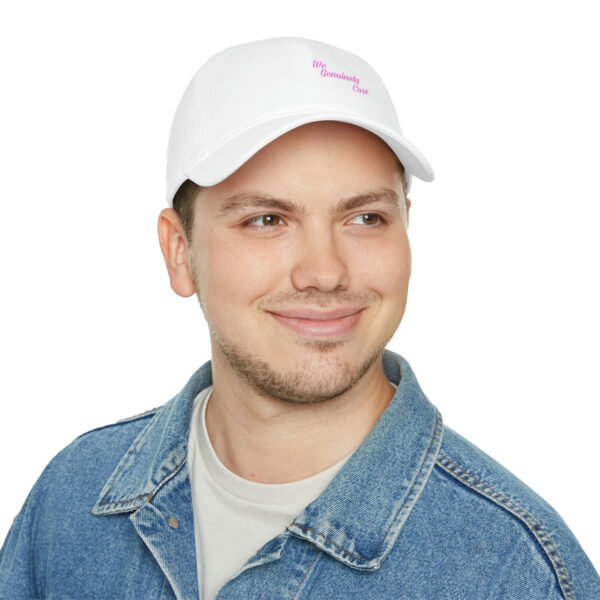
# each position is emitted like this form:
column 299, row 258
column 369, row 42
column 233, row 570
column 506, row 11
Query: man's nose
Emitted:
column 319, row 262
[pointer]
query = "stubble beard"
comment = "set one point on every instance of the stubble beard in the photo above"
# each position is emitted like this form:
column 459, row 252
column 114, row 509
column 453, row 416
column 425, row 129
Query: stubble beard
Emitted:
column 310, row 382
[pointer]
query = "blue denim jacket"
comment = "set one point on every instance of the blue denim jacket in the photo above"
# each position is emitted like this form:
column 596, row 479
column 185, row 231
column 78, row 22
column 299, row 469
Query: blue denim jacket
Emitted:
column 417, row 513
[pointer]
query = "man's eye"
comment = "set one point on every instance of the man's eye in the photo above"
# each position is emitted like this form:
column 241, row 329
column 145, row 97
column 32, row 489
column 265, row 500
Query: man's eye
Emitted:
column 264, row 221
column 367, row 219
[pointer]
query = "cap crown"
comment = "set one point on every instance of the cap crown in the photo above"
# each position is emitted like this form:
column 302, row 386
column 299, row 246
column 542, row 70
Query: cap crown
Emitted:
column 247, row 95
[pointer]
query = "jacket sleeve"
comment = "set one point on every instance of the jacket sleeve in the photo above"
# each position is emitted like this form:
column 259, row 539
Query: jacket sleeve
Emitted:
column 20, row 563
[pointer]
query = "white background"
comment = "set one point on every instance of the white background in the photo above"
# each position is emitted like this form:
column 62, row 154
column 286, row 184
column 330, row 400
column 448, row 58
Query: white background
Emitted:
column 502, row 324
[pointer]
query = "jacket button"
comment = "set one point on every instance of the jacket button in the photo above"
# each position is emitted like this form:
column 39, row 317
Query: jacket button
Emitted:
column 173, row 523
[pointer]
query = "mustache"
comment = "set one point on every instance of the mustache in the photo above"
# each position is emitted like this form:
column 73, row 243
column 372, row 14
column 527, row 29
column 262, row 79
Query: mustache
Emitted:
column 316, row 298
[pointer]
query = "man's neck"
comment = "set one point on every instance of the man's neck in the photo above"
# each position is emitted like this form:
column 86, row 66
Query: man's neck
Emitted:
column 268, row 440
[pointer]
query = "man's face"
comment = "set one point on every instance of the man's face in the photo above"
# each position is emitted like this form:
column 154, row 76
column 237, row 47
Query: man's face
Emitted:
column 301, row 262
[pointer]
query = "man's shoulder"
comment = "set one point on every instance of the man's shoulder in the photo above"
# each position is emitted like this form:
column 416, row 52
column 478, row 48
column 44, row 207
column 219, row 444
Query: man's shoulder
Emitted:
column 122, row 428
column 483, row 486
column 108, row 440
column 478, row 472
column 58, row 510
column 87, row 461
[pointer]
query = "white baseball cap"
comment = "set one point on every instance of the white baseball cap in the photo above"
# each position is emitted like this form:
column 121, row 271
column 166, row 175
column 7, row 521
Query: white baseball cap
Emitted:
column 248, row 95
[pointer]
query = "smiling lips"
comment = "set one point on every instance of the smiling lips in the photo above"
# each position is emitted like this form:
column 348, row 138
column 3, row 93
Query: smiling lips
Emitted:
column 319, row 324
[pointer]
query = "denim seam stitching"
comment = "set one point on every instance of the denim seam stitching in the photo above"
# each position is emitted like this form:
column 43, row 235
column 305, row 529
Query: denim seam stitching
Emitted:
column 393, row 520
column 312, row 562
column 533, row 524
column 146, row 413
column 133, row 450
column 332, row 542
column 149, row 495
column 126, row 421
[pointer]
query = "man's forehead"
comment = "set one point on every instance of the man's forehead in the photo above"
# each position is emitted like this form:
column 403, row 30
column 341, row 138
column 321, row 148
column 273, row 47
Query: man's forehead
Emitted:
column 338, row 165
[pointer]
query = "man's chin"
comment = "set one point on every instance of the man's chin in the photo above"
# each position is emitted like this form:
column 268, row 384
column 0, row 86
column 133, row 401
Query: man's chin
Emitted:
column 300, row 389
column 321, row 377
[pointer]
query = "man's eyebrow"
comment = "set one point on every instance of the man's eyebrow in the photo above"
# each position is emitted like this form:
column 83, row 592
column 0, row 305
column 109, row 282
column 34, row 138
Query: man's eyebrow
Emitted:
column 387, row 196
column 245, row 200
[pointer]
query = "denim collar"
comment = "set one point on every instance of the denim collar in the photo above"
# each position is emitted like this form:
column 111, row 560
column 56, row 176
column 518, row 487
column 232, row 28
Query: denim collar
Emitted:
column 358, row 516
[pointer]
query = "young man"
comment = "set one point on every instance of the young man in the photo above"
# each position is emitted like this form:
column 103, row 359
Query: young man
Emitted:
column 303, row 461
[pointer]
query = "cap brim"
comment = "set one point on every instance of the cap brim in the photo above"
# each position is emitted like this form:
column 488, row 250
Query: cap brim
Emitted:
column 216, row 165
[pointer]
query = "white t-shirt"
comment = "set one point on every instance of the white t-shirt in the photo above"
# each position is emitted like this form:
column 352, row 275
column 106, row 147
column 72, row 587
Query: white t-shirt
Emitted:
column 234, row 517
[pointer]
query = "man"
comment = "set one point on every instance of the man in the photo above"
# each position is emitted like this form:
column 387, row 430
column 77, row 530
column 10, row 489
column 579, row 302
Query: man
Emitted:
column 303, row 461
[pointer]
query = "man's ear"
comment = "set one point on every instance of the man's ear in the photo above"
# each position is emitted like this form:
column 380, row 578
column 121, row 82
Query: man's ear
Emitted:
column 174, row 247
column 408, row 203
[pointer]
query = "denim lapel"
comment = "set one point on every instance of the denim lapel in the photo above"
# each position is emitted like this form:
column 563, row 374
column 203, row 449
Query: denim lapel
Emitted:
column 359, row 515
column 152, row 482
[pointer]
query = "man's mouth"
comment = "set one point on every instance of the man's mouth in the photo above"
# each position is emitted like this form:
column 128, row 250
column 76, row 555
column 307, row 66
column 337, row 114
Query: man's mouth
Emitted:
column 316, row 323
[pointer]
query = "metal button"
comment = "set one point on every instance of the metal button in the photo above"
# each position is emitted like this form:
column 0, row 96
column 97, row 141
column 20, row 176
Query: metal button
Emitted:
column 173, row 522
